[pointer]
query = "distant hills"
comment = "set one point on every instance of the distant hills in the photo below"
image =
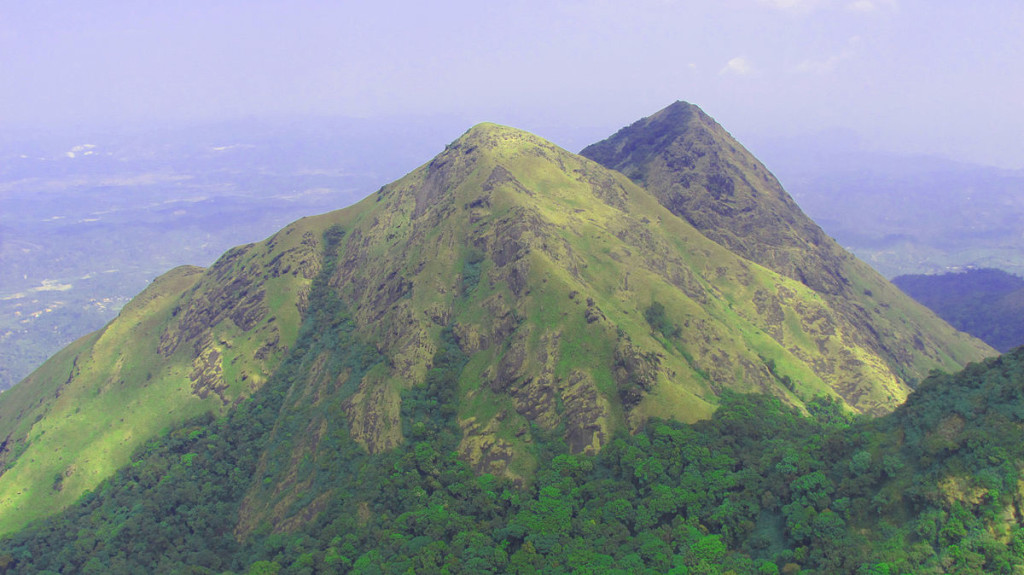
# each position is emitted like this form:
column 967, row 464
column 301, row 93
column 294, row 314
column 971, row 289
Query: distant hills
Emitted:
column 986, row 303
column 904, row 214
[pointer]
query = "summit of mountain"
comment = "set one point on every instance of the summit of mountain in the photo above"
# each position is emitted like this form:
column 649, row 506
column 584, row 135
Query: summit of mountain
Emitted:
column 700, row 173
column 543, row 296
column 706, row 177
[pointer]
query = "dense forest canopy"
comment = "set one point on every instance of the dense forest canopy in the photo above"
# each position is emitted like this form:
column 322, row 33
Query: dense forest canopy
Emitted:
column 759, row 488
column 986, row 303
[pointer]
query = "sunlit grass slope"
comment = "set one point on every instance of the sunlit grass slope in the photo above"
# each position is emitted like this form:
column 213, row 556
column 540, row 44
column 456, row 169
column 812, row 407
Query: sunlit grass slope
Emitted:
column 194, row 341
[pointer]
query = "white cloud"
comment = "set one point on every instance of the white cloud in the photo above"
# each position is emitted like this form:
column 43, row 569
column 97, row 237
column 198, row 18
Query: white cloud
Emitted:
column 792, row 5
column 870, row 5
column 829, row 64
column 738, row 66
column 808, row 6
column 818, row 66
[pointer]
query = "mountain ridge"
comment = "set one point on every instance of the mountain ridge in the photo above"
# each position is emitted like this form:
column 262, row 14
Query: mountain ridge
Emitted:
column 583, row 307
column 706, row 177
column 700, row 173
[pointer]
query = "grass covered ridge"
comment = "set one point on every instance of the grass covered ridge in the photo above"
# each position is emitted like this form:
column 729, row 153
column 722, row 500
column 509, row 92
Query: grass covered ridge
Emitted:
column 539, row 265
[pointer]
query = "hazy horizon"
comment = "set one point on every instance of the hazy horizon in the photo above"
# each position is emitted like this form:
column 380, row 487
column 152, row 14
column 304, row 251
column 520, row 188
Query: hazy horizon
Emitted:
column 899, row 75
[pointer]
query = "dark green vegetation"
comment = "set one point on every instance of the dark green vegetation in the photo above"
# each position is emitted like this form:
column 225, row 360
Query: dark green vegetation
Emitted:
column 759, row 488
column 446, row 356
column 986, row 303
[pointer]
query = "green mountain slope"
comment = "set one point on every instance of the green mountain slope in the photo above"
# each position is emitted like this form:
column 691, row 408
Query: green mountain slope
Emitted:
column 758, row 488
column 703, row 175
column 191, row 343
column 581, row 307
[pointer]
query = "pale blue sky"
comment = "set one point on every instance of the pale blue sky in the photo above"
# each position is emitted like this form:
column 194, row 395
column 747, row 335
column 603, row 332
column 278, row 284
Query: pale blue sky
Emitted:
column 932, row 77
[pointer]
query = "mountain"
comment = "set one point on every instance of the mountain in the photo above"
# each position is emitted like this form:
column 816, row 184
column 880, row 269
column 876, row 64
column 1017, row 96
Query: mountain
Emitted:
column 758, row 488
column 704, row 176
column 503, row 300
column 986, row 303
column 700, row 173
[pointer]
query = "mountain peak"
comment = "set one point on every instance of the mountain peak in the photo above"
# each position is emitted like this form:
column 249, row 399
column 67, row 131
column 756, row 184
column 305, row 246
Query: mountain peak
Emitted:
column 482, row 148
column 484, row 129
column 678, row 111
column 637, row 144
column 488, row 136
column 700, row 173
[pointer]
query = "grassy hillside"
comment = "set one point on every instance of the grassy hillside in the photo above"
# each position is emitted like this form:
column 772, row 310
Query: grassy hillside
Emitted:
column 703, row 175
column 191, row 343
column 758, row 488
column 583, row 308
column 89, row 219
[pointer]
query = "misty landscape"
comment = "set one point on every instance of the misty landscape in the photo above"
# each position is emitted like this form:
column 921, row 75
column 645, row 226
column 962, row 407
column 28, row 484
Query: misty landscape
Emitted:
column 86, row 226
column 351, row 289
